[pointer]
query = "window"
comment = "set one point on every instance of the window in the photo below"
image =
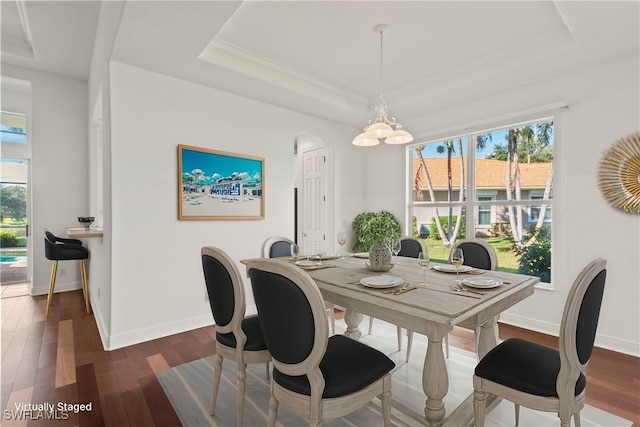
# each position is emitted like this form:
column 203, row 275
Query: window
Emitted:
column 493, row 184
column 13, row 127
column 484, row 211
column 534, row 210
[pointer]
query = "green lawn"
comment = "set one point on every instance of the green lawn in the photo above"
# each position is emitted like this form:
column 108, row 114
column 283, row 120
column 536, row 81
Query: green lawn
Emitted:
column 507, row 258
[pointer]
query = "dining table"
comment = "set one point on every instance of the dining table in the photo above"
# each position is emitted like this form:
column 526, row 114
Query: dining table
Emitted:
column 424, row 301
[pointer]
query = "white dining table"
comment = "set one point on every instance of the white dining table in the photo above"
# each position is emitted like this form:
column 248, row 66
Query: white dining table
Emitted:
column 432, row 309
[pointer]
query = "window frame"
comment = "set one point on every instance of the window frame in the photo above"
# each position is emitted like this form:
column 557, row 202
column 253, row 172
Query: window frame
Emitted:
column 9, row 123
column 470, row 205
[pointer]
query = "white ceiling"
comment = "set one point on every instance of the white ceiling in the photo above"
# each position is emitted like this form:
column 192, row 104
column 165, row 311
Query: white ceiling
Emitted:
column 322, row 57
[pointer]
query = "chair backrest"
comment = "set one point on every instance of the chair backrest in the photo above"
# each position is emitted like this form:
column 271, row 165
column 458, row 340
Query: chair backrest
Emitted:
column 292, row 316
column 579, row 324
column 477, row 254
column 49, row 245
column 276, row 247
column 226, row 292
column 60, row 249
column 50, row 236
column 410, row 247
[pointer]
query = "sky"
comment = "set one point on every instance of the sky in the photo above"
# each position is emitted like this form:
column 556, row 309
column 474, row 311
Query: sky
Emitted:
column 498, row 137
column 222, row 165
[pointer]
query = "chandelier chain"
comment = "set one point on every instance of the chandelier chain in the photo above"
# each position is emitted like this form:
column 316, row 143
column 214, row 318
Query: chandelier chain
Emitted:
column 381, row 62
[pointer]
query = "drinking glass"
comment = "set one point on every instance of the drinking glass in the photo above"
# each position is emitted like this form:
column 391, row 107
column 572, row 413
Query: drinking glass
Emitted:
column 423, row 261
column 395, row 244
column 457, row 258
column 295, row 251
column 342, row 239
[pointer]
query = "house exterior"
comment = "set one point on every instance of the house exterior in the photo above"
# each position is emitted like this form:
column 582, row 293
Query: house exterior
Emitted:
column 490, row 186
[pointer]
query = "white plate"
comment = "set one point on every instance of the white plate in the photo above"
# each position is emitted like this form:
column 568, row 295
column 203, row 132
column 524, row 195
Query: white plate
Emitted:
column 364, row 255
column 383, row 281
column 449, row 268
column 308, row 263
column 484, row 283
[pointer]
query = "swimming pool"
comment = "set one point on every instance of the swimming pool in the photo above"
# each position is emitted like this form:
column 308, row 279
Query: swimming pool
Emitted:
column 13, row 257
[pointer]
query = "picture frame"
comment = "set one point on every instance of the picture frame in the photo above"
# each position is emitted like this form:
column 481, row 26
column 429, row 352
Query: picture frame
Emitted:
column 219, row 185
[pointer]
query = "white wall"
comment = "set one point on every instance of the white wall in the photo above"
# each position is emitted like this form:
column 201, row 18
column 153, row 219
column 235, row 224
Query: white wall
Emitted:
column 100, row 122
column 157, row 286
column 59, row 170
column 604, row 105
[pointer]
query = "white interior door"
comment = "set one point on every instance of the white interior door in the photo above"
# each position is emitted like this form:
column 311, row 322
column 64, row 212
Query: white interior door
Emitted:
column 314, row 202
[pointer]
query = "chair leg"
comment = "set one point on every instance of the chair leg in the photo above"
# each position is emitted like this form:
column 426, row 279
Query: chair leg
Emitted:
column 85, row 287
column 576, row 419
column 385, row 399
column 409, row 344
column 517, row 408
column 479, row 407
column 217, row 372
column 241, row 384
column 273, row 411
column 52, row 281
column 268, row 373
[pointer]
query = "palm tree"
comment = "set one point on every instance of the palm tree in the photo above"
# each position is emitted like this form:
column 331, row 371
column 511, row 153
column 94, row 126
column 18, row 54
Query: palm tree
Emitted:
column 448, row 146
column 534, row 143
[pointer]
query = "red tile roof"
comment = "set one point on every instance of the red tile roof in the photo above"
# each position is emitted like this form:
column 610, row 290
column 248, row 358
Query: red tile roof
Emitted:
column 490, row 173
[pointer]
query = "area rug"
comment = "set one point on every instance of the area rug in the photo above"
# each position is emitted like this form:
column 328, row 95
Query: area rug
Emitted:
column 188, row 387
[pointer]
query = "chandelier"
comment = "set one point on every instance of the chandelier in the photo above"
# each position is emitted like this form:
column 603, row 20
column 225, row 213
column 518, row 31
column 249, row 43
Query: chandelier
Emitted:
column 382, row 127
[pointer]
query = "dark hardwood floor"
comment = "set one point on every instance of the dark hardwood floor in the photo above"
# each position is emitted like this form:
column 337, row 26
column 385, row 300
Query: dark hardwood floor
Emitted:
column 60, row 359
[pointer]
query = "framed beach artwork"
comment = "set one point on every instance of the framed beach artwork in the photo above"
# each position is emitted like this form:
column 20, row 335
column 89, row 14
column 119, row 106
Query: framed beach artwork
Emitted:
column 216, row 184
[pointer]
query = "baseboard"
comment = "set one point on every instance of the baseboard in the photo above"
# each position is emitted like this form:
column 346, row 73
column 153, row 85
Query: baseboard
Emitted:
column 602, row 341
column 114, row 342
column 60, row 287
column 102, row 329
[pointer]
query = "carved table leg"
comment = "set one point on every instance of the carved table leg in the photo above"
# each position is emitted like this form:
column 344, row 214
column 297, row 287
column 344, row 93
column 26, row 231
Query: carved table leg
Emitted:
column 486, row 336
column 435, row 378
column 352, row 319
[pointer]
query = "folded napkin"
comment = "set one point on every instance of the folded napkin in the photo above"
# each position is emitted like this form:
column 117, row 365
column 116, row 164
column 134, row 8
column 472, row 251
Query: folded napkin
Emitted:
column 475, row 271
column 318, row 267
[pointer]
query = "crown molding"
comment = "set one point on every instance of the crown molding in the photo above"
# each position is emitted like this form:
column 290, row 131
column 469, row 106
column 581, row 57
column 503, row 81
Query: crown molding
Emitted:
column 250, row 64
column 19, row 45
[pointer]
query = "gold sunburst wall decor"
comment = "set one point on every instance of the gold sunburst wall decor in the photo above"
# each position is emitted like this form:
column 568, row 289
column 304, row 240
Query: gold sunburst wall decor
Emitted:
column 620, row 174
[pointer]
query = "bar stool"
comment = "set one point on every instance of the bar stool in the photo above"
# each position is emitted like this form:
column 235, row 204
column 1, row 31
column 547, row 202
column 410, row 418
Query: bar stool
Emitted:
column 60, row 249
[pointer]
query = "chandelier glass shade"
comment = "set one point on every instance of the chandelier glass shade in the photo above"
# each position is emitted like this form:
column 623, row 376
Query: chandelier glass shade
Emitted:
column 382, row 127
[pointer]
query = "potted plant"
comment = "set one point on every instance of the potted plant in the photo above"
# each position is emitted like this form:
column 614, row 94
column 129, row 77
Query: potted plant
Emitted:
column 374, row 227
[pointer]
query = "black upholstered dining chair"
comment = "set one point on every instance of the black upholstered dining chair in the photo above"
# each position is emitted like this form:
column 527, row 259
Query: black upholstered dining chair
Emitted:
column 543, row 378
column 238, row 338
column 278, row 247
column 477, row 254
column 410, row 247
column 62, row 249
column 314, row 375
